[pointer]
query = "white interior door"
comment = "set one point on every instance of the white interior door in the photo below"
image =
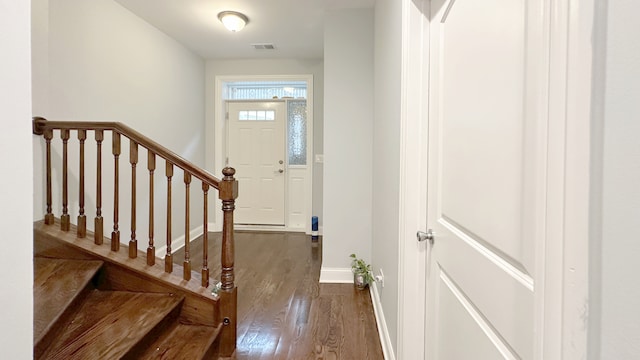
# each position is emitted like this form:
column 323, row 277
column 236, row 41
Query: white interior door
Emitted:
column 257, row 152
column 486, row 183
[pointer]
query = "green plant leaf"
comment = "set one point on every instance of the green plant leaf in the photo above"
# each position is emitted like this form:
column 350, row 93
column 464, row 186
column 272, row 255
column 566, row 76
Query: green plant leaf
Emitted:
column 359, row 266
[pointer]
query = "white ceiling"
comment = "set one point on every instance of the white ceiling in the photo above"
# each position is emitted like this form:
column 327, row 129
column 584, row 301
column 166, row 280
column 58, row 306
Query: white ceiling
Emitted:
column 295, row 27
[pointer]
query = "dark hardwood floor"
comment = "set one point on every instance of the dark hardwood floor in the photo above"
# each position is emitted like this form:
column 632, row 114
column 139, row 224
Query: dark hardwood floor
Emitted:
column 283, row 312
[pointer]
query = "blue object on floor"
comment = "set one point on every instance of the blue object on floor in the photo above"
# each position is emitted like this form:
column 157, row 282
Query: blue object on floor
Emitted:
column 314, row 228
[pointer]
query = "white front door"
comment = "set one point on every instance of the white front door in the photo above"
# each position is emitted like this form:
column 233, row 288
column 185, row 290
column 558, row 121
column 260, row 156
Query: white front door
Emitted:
column 486, row 187
column 257, row 152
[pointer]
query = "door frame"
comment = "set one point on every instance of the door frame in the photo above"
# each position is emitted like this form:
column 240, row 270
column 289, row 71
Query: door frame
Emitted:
column 413, row 174
column 562, row 306
column 216, row 144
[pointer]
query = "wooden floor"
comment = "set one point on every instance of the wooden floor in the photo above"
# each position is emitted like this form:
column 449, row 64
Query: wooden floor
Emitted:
column 283, row 312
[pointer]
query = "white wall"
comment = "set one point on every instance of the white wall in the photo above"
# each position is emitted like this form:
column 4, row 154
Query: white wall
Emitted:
column 244, row 67
column 386, row 152
column 40, row 93
column 348, row 134
column 16, row 269
column 98, row 61
column 620, row 247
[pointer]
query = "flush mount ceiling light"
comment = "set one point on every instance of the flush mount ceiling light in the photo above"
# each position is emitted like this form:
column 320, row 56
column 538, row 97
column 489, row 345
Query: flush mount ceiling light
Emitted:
column 233, row 20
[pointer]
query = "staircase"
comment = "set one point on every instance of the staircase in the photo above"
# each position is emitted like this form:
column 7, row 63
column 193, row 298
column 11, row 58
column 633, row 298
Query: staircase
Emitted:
column 85, row 309
column 94, row 300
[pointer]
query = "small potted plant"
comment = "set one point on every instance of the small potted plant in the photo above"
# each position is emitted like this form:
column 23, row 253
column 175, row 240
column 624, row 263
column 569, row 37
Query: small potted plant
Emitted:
column 361, row 272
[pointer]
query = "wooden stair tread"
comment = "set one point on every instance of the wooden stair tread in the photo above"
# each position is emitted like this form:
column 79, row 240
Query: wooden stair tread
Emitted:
column 57, row 284
column 109, row 323
column 182, row 341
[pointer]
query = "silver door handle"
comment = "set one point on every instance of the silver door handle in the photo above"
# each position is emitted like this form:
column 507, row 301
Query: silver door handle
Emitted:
column 429, row 235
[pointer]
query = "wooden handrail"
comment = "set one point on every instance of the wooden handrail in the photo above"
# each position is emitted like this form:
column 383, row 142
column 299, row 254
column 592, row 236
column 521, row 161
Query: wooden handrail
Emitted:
column 227, row 193
column 42, row 124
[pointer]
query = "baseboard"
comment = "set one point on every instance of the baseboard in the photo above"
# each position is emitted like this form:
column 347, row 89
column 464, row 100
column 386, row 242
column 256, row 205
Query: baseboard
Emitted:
column 383, row 331
column 336, row 275
column 178, row 243
column 267, row 228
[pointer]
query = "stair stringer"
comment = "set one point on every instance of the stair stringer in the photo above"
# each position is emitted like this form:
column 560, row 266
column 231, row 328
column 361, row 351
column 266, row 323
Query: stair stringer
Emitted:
column 121, row 273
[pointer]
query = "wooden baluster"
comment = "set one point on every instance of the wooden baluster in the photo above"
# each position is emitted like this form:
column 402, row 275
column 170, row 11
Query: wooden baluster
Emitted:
column 65, row 219
column 116, row 150
column 151, row 250
column 187, row 260
column 98, row 222
column 48, row 218
column 168, row 258
column 82, row 218
column 228, row 192
column 133, row 158
column 205, row 237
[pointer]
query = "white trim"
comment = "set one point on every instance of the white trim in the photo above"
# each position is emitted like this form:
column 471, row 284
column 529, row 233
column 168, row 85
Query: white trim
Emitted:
column 566, row 297
column 266, row 228
column 578, row 73
column 336, row 275
column 178, row 243
column 217, row 134
column 412, row 178
column 538, row 77
column 383, row 330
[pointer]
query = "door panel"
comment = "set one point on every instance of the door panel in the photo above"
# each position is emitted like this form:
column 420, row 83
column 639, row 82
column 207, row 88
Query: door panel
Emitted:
column 482, row 67
column 481, row 199
column 244, row 154
column 266, row 143
column 257, row 151
column 296, row 191
column 465, row 323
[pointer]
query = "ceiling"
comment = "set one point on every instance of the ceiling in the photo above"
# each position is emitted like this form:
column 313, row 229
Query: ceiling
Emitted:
column 295, row 27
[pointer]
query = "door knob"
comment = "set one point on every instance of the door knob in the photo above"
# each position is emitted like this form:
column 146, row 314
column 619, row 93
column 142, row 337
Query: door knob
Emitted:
column 280, row 171
column 280, row 162
column 429, row 235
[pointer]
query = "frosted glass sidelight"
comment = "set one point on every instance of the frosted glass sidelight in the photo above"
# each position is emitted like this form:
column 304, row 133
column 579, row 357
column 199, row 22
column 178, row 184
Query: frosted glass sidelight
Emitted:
column 297, row 132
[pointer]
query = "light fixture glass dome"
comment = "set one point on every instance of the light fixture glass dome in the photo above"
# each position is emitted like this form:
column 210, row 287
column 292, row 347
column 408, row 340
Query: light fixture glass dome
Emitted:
column 232, row 20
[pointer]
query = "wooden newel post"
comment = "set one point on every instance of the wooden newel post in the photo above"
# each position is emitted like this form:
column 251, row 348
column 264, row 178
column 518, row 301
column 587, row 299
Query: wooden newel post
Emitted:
column 228, row 192
column 228, row 195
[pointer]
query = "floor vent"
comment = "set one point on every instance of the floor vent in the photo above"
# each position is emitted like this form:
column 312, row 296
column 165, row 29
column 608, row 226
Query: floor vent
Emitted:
column 263, row 46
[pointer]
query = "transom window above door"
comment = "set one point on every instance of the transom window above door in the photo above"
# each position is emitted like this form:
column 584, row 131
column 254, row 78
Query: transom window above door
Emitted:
column 263, row 90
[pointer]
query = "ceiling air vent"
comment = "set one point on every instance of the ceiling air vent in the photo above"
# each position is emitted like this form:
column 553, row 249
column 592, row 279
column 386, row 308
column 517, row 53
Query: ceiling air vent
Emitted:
column 263, row 46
